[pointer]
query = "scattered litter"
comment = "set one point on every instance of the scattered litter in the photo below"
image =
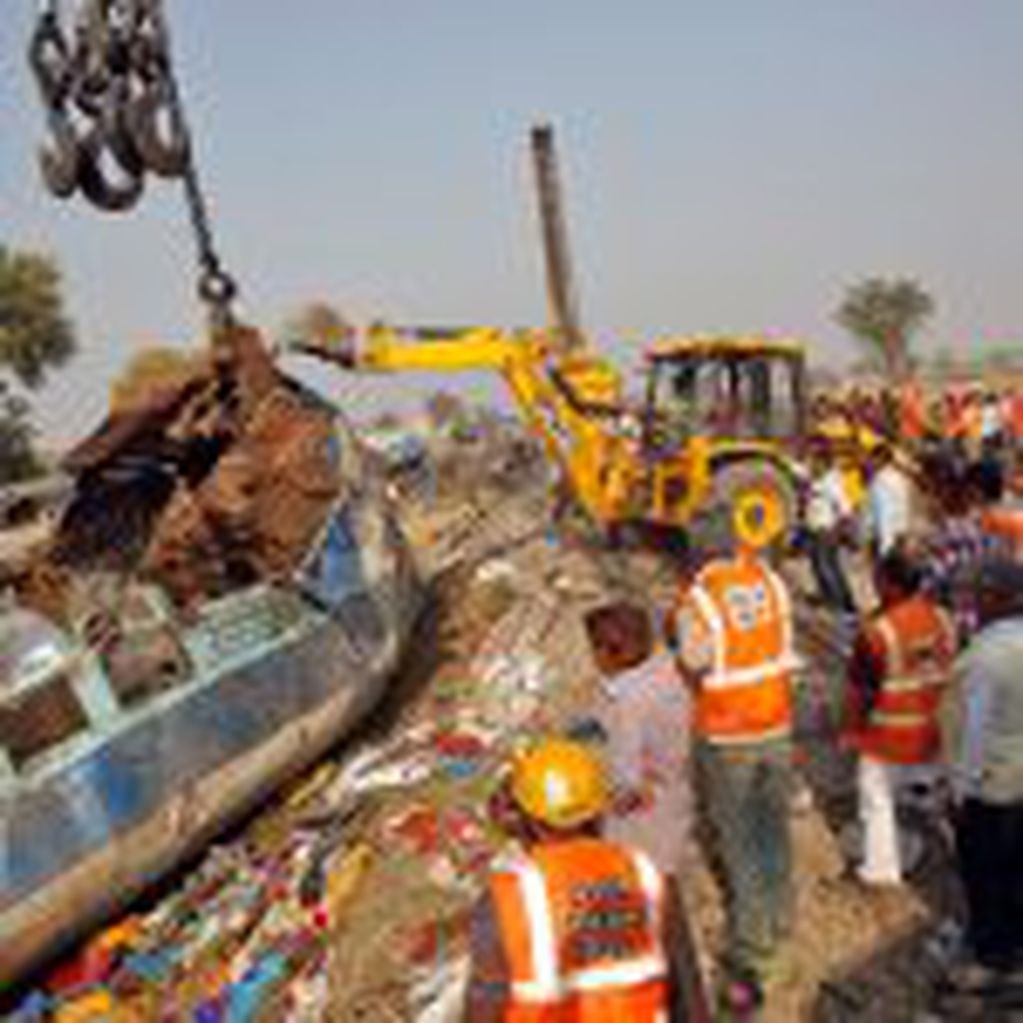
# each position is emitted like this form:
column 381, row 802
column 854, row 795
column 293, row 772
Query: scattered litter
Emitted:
column 492, row 571
column 437, row 995
column 276, row 923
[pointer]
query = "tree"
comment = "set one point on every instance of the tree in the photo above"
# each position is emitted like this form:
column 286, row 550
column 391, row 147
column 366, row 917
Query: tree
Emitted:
column 885, row 314
column 17, row 459
column 35, row 332
column 35, row 336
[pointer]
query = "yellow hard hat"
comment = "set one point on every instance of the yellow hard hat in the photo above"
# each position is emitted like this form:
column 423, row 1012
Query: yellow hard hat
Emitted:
column 559, row 783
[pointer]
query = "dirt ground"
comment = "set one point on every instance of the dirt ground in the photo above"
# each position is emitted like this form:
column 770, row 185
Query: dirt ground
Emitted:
column 854, row 955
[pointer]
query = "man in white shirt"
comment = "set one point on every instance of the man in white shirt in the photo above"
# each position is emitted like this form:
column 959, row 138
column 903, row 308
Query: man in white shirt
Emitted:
column 827, row 514
column 991, row 418
column 889, row 499
column 644, row 712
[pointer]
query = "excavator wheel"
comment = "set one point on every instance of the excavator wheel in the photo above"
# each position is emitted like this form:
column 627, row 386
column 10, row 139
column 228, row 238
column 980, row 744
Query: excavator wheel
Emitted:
column 754, row 501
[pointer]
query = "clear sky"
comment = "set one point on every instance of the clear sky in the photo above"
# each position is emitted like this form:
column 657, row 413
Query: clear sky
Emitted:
column 728, row 165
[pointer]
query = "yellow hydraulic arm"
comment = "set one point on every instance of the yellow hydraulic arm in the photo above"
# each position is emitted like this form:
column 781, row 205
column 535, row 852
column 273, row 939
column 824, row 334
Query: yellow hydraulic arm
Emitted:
column 570, row 401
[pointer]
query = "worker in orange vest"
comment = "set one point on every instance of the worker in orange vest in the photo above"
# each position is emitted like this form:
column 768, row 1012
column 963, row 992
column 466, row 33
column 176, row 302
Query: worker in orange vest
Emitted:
column 956, row 414
column 912, row 412
column 1014, row 415
column 1000, row 496
column 735, row 650
column 900, row 665
column 578, row 929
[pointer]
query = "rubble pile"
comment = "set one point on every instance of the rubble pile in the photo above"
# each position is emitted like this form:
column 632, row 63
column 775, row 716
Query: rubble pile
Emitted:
column 214, row 481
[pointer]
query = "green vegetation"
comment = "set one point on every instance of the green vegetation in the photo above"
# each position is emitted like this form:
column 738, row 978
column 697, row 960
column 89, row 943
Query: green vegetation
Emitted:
column 36, row 336
column 884, row 314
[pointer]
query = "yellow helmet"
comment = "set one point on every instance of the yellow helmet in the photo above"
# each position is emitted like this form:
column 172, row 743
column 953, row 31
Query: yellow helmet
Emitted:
column 559, row 783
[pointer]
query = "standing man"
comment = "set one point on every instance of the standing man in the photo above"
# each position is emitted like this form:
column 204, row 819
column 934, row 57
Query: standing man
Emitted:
column 828, row 515
column 962, row 541
column 984, row 744
column 889, row 500
column 912, row 416
column 644, row 713
column 576, row 928
column 900, row 666
column 736, row 653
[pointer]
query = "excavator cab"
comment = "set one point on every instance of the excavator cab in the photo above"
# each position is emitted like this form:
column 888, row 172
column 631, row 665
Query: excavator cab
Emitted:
column 722, row 418
column 725, row 390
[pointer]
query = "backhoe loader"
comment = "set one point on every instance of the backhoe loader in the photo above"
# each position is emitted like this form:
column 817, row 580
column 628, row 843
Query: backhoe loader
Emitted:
column 714, row 434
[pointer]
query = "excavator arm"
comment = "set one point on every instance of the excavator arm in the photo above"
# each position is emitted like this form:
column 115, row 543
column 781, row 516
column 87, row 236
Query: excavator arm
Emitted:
column 570, row 401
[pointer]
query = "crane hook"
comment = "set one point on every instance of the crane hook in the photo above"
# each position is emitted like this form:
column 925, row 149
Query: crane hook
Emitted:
column 97, row 186
column 157, row 131
column 58, row 162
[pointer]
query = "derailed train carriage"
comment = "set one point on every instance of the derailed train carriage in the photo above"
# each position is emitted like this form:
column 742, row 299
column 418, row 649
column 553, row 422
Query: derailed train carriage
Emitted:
column 226, row 595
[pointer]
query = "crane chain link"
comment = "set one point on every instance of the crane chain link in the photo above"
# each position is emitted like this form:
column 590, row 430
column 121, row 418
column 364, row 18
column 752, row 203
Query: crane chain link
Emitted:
column 115, row 116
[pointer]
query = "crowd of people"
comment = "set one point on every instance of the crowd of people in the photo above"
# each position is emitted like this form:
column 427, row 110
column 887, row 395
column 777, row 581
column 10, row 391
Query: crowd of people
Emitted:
column 588, row 922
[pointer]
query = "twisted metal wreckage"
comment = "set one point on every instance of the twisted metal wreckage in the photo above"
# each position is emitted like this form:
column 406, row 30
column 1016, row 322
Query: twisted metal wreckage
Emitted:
column 227, row 590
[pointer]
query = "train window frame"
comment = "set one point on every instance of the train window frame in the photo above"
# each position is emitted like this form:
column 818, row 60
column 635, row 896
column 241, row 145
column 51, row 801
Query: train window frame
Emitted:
column 16, row 702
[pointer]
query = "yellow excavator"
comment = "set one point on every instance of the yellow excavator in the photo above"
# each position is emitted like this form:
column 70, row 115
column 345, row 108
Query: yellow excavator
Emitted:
column 711, row 437
column 714, row 435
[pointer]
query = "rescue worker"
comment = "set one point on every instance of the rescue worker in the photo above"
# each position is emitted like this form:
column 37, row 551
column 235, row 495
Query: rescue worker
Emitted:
column 900, row 664
column 1001, row 510
column 577, row 929
column 735, row 650
column 912, row 418
column 1014, row 416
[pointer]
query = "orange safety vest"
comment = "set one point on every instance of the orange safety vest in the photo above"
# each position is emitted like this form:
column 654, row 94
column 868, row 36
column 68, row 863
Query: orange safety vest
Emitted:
column 1015, row 415
column 916, row 641
column 1007, row 524
column 912, row 417
column 956, row 419
column 580, row 925
column 746, row 694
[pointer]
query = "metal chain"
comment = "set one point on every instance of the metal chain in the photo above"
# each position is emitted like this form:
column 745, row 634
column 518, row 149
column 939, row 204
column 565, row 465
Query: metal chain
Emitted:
column 114, row 75
column 216, row 287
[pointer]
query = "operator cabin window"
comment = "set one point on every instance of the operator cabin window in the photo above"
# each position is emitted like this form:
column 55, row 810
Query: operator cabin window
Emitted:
column 40, row 719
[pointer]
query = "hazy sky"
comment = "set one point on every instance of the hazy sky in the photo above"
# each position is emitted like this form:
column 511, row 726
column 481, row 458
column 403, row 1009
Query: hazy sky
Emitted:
column 728, row 165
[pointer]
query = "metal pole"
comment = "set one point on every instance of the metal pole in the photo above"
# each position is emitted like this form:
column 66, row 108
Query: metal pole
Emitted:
column 562, row 310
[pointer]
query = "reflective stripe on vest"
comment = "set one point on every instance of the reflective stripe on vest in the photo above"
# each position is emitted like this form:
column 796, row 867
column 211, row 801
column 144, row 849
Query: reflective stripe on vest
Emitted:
column 898, row 679
column 748, row 700
column 543, row 951
column 722, row 677
column 547, row 985
column 902, row 725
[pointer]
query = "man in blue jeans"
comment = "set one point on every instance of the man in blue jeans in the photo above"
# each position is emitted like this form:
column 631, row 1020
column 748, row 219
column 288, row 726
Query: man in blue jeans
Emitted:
column 735, row 651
